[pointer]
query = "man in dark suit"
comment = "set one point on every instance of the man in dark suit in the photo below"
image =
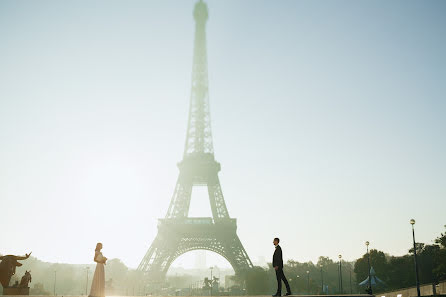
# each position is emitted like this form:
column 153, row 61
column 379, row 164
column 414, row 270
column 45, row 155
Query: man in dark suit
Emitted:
column 278, row 266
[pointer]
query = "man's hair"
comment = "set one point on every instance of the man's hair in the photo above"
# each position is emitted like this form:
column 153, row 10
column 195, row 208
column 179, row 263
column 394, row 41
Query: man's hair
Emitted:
column 278, row 240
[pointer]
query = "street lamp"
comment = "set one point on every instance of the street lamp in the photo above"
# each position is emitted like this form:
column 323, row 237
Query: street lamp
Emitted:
column 55, row 273
column 340, row 274
column 369, row 291
column 322, row 280
column 351, row 288
column 412, row 222
column 308, row 282
column 212, row 282
column 86, row 284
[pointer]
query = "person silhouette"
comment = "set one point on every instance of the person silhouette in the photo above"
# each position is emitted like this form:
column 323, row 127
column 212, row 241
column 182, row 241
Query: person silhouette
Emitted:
column 98, row 284
column 278, row 267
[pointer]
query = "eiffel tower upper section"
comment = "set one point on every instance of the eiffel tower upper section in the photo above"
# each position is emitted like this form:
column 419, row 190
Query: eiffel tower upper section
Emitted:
column 199, row 134
column 198, row 166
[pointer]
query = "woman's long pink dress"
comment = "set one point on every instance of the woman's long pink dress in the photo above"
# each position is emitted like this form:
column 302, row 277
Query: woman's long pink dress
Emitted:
column 98, row 284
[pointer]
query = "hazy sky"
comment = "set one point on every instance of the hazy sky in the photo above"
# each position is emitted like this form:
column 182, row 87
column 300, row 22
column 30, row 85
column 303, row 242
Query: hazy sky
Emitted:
column 328, row 119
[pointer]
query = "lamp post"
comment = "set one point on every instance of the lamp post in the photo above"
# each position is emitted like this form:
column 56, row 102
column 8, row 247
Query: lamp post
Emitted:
column 370, row 291
column 86, row 284
column 212, row 281
column 340, row 275
column 55, row 273
column 412, row 222
column 308, row 282
column 351, row 288
column 297, row 280
column 322, row 280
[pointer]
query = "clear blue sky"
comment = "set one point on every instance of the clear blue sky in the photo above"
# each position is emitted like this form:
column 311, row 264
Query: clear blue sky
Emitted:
column 328, row 119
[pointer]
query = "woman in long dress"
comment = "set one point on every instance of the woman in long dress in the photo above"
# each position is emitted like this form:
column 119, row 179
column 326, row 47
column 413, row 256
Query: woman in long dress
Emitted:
column 98, row 284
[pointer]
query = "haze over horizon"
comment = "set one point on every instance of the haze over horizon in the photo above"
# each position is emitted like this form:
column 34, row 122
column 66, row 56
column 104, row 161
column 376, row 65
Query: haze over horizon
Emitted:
column 328, row 120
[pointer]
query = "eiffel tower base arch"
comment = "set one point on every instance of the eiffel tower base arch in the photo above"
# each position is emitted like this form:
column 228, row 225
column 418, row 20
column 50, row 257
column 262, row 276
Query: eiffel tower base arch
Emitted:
column 178, row 236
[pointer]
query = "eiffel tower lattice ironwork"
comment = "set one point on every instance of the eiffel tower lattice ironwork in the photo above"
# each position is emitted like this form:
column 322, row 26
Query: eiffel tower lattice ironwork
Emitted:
column 178, row 233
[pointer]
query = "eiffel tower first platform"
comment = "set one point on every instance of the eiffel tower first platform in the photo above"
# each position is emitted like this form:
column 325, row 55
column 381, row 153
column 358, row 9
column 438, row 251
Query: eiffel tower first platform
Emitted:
column 178, row 233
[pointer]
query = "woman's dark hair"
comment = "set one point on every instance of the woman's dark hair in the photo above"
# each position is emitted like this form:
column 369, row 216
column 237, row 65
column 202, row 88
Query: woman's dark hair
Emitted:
column 98, row 247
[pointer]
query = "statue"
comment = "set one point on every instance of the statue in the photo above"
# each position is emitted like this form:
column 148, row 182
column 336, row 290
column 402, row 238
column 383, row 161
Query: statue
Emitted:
column 25, row 279
column 7, row 267
column 374, row 281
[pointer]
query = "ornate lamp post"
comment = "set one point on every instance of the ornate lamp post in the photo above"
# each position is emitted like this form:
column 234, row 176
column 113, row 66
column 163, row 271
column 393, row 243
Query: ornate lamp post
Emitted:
column 351, row 288
column 212, row 281
column 308, row 282
column 55, row 273
column 297, row 280
column 370, row 291
column 86, row 284
column 322, row 280
column 340, row 275
column 412, row 222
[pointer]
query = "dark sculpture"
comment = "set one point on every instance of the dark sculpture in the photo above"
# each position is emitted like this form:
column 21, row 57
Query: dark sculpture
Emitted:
column 25, row 279
column 7, row 267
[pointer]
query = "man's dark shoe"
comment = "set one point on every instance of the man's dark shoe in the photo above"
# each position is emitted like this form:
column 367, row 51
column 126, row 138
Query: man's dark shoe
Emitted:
column 288, row 294
column 277, row 295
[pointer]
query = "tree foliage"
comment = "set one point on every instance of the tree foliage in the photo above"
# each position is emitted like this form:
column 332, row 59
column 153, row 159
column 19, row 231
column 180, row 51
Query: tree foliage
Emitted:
column 399, row 272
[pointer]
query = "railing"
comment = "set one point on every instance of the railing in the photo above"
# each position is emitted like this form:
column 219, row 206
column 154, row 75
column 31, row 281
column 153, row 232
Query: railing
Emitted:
column 197, row 221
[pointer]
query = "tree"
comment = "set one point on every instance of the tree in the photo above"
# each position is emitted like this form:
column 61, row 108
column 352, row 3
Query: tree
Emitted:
column 38, row 289
column 257, row 281
column 400, row 272
column 419, row 246
column 439, row 269
column 441, row 240
column 426, row 260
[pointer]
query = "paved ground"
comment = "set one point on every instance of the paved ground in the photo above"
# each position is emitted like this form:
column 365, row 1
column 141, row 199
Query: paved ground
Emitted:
column 354, row 295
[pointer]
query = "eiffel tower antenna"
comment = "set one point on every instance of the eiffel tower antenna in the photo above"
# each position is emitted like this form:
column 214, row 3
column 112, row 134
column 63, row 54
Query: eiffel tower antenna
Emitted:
column 177, row 232
column 199, row 134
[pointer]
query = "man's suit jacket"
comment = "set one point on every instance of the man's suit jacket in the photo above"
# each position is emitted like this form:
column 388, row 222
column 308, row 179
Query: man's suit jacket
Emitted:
column 277, row 257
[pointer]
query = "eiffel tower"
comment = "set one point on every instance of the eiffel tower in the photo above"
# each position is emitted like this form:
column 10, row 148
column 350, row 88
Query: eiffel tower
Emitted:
column 177, row 232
